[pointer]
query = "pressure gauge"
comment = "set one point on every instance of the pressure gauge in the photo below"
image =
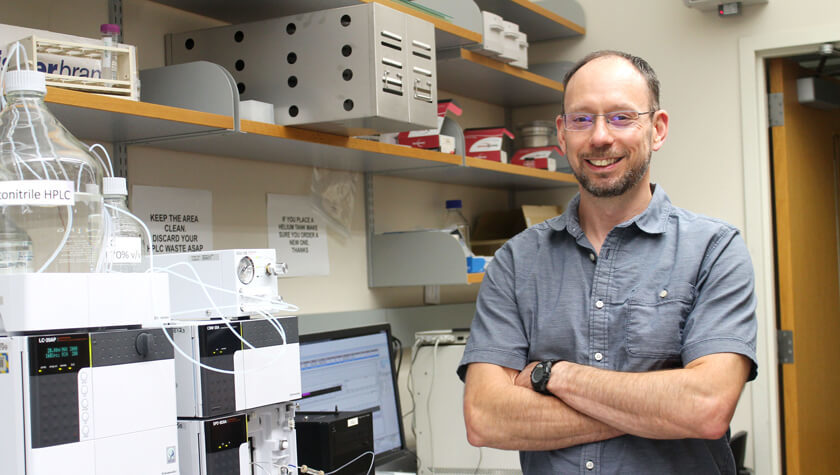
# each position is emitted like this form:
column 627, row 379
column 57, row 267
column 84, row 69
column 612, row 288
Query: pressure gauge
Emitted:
column 245, row 270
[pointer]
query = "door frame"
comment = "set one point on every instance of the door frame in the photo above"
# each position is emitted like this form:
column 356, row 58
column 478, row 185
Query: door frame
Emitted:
column 758, row 232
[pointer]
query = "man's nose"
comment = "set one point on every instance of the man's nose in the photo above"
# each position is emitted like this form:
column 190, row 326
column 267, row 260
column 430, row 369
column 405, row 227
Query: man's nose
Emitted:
column 601, row 133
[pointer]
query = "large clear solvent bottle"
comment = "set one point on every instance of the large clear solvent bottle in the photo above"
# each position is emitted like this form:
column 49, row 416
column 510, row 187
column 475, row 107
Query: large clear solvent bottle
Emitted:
column 454, row 219
column 49, row 184
column 126, row 248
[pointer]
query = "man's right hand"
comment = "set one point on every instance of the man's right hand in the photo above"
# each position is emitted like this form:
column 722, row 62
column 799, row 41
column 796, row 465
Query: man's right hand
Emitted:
column 524, row 377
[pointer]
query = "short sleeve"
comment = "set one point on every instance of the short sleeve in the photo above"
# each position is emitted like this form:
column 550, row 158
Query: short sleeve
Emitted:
column 723, row 319
column 497, row 333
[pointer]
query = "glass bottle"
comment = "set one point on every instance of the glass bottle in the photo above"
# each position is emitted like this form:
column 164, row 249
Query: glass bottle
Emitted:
column 111, row 37
column 15, row 248
column 455, row 220
column 49, row 182
column 126, row 249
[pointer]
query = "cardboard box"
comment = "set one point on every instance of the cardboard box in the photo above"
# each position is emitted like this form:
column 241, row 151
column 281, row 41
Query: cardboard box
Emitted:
column 545, row 158
column 432, row 138
column 488, row 143
column 494, row 228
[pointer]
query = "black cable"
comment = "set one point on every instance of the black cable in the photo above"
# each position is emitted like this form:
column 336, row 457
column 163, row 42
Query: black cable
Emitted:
column 396, row 349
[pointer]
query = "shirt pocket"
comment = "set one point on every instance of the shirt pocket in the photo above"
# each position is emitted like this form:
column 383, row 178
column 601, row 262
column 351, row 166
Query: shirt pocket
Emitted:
column 655, row 321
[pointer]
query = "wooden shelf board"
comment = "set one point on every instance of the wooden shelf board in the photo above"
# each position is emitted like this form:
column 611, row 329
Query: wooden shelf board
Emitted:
column 112, row 119
column 538, row 22
column 253, row 10
column 447, row 34
column 495, row 82
column 508, row 169
column 101, row 118
column 302, row 147
column 352, row 144
column 483, row 173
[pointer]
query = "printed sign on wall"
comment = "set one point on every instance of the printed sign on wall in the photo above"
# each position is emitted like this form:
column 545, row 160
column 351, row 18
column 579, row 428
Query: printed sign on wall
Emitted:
column 180, row 219
column 298, row 235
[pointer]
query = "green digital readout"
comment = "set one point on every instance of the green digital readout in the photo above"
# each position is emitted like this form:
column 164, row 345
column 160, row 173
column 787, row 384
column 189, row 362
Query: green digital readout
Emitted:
column 59, row 354
column 62, row 352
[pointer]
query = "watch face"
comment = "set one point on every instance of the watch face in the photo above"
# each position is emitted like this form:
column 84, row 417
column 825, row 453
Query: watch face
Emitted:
column 538, row 373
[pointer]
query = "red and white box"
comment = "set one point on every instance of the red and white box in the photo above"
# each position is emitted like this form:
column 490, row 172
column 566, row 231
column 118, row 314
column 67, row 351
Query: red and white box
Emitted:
column 432, row 138
column 488, row 144
column 545, row 158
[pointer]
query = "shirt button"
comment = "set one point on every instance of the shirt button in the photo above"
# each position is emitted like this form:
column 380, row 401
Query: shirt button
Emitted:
column 590, row 465
column 598, row 356
column 663, row 294
column 599, row 304
column 592, row 257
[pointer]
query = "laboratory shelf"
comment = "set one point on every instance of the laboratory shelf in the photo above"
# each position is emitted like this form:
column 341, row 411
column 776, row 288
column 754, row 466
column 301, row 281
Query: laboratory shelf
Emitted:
column 447, row 34
column 114, row 119
column 476, row 76
column 489, row 174
column 430, row 257
column 539, row 22
column 111, row 119
column 294, row 146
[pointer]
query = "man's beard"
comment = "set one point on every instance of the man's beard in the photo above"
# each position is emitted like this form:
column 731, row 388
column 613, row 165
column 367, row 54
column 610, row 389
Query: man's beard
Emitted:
column 625, row 183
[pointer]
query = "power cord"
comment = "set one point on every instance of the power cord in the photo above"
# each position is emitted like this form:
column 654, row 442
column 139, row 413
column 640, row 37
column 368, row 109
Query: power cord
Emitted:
column 429, row 408
column 396, row 349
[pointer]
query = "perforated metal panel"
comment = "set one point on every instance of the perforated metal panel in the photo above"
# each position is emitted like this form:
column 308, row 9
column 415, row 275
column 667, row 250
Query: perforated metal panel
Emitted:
column 354, row 70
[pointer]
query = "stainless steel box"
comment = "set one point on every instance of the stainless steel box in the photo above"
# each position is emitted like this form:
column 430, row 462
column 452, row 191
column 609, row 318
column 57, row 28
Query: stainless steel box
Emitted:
column 353, row 70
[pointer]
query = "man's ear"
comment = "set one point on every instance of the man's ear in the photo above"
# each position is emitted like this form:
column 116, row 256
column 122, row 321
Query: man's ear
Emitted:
column 561, row 140
column 660, row 129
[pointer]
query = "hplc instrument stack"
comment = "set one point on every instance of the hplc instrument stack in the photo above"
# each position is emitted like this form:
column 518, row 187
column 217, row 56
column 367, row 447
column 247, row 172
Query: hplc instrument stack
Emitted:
column 84, row 387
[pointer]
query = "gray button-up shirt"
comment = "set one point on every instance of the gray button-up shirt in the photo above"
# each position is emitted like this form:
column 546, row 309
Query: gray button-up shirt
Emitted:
column 668, row 287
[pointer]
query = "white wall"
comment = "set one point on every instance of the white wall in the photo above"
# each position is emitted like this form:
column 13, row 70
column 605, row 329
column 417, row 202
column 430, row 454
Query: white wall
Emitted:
column 695, row 55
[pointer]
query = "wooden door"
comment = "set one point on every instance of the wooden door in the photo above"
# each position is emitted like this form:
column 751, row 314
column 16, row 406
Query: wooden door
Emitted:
column 806, row 217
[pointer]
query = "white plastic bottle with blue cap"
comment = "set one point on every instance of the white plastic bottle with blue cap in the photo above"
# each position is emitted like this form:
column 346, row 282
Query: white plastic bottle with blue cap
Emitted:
column 455, row 220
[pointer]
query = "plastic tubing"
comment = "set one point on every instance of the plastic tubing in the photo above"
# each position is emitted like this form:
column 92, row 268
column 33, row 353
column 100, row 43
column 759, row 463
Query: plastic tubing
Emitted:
column 106, row 164
column 209, row 298
column 213, row 368
column 63, row 240
column 14, row 152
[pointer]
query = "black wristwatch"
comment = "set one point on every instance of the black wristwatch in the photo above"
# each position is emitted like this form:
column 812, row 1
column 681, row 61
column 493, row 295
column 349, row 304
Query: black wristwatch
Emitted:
column 540, row 376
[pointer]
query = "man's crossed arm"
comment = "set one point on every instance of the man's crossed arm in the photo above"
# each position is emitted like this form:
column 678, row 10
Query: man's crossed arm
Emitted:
column 589, row 404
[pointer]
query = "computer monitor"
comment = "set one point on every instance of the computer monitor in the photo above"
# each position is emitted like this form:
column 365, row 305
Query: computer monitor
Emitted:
column 351, row 370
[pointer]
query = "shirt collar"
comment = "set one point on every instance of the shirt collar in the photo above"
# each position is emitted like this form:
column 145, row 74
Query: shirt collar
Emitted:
column 653, row 220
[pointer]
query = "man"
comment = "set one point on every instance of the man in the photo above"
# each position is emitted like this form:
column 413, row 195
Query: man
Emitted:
column 617, row 337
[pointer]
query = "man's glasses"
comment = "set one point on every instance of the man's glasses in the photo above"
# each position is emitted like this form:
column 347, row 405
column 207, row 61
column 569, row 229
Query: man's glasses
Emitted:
column 618, row 120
